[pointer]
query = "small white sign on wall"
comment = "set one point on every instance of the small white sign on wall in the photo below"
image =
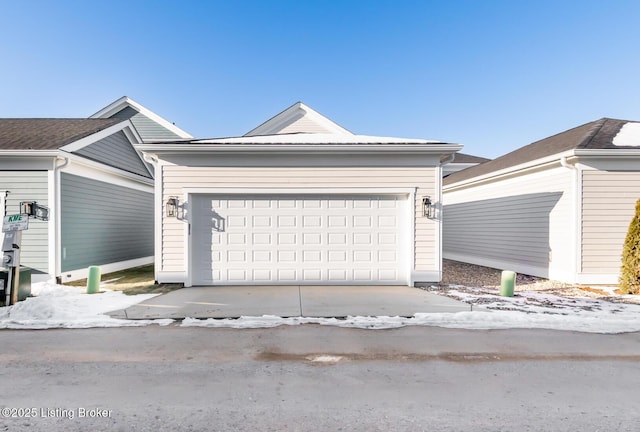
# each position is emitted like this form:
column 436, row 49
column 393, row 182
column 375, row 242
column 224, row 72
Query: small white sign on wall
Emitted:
column 17, row 222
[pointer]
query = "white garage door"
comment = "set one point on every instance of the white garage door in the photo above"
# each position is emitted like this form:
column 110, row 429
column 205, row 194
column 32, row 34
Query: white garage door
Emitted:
column 299, row 239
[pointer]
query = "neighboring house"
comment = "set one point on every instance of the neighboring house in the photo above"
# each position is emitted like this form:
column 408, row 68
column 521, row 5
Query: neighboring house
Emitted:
column 98, row 189
column 150, row 126
column 298, row 200
column 462, row 161
column 558, row 208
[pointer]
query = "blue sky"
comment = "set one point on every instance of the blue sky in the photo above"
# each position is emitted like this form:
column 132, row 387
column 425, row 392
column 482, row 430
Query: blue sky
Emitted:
column 492, row 75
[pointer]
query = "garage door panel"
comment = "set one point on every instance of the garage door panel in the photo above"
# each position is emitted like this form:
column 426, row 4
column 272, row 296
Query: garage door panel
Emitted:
column 284, row 239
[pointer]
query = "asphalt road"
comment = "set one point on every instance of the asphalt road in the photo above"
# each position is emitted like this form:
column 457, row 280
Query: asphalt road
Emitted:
column 313, row 378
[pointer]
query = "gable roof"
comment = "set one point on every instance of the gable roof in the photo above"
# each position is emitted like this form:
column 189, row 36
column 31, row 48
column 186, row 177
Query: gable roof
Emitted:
column 298, row 118
column 598, row 134
column 469, row 159
column 48, row 134
column 150, row 125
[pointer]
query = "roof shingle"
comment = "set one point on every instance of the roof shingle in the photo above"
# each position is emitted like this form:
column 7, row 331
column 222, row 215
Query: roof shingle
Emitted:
column 597, row 134
column 48, row 134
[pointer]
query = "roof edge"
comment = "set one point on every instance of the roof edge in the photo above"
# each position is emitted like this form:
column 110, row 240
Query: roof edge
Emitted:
column 497, row 175
column 287, row 114
column 125, row 101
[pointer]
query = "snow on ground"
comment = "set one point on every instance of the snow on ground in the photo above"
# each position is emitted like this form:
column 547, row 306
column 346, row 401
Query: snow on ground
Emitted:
column 55, row 306
column 490, row 311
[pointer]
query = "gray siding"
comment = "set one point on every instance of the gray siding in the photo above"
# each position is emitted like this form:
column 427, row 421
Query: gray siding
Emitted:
column 514, row 228
column 608, row 205
column 147, row 128
column 103, row 223
column 523, row 224
column 116, row 151
column 29, row 186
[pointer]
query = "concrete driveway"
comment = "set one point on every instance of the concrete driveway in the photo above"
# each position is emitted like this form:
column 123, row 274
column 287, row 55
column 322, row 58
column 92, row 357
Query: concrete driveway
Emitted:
column 291, row 301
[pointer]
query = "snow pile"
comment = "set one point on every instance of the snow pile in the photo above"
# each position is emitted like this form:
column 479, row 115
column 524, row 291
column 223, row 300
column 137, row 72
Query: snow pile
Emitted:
column 57, row 306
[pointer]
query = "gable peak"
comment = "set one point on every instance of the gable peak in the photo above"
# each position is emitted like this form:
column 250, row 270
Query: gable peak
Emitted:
column 298, row 118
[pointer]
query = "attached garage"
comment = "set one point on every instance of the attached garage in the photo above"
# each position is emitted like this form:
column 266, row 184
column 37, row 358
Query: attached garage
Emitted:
column 299, row 201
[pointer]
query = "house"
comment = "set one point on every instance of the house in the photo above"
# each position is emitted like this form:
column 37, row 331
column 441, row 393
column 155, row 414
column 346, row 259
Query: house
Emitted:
column 97, row 187
column 149, row 125
column 298, row 200
column 462, row 161
column 558, row 208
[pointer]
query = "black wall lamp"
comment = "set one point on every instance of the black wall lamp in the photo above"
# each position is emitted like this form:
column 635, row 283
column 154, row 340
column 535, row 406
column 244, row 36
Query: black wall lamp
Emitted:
column 427, row 207
column 34, row 210
column 172, row 207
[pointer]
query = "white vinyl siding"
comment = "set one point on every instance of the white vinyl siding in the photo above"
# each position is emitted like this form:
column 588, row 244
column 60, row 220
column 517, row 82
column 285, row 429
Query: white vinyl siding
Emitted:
column 176, row 178
column 29, row 186
column 521, row 224
column 608, row 205
column 303, row 125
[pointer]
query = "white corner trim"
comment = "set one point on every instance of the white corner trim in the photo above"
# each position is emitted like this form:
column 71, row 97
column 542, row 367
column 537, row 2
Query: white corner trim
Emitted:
column 411, row 235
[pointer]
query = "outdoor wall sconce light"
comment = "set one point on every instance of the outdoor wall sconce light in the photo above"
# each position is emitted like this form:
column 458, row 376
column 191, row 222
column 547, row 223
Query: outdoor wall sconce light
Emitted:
column 172, row 207
column 427, row 206
column 34, row 210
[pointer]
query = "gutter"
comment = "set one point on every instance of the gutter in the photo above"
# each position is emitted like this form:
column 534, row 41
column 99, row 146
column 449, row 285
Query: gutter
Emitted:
column 300, row 148
column 448, row 160
column 534, row 165
column 29, row 153
column 57, row 228
column 618, row 152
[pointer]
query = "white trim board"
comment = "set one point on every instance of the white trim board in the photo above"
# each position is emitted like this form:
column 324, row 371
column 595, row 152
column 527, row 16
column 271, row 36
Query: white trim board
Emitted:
column 73, row 275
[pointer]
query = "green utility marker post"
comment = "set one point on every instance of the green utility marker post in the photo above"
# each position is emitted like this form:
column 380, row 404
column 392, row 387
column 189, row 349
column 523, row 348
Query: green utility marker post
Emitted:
column 93, row 280
column 508, row 283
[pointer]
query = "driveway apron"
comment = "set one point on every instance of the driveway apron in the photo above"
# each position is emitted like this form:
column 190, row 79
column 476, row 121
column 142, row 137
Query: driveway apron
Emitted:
column 291, row 301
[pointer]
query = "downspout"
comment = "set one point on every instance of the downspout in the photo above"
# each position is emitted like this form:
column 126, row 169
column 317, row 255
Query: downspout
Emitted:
column 447, row 161
column 576, row 233
column 157, row 214
column 57, row 223
column 439, row 182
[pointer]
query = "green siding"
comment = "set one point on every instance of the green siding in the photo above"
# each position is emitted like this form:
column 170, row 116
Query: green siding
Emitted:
column 103, row 223
column 147, row 128
column 29, row 186
column 116, row 151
